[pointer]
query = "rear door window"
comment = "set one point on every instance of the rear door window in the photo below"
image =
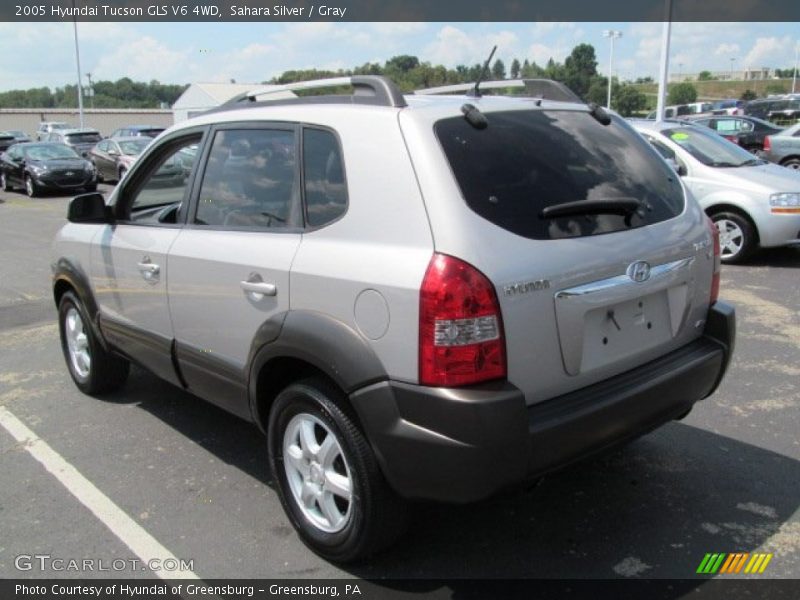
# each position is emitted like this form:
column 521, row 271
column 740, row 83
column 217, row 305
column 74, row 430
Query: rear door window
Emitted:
column 323, row 177
column 525, row 161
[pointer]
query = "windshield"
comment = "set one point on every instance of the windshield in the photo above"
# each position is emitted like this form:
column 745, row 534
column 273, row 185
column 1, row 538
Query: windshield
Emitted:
column 134, row 147
column 709, row 148
column 49, row 152
column 84, row 138
column 529, row 160
column 151, row 132
column 59, row 125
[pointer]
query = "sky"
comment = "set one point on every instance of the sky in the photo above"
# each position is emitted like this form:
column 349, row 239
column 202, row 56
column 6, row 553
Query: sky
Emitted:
column 255, row 52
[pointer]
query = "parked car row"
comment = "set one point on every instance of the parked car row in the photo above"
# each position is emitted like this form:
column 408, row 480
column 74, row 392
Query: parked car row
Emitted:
column 67, row 158
column 752, row 202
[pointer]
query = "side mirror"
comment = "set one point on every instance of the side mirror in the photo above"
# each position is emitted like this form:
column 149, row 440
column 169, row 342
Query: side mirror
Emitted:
column 89, row 208
column 679, row 169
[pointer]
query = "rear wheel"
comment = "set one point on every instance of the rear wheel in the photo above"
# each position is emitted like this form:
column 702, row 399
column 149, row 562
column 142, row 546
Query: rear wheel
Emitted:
column 792, row 163
column 4, row 183
column 94, row 369
column 737, row 237
column 31, row 188
column 327, row 476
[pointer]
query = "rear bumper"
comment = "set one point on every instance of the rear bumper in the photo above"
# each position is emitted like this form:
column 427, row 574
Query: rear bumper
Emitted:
column 461, row 445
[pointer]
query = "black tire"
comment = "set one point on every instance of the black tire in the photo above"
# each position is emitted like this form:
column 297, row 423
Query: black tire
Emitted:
column 121, row 174
column 97, row 170
column 377, row 516
column 746, row 242
column 4, row 183
column 107, row 372
column 791, row 163
column 31, row 187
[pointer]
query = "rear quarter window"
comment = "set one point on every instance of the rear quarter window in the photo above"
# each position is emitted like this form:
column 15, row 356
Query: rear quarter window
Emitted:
column 525, row 161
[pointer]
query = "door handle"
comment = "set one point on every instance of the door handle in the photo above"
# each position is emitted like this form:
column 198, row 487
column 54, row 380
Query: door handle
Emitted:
column 148, row 269
column 258, row 289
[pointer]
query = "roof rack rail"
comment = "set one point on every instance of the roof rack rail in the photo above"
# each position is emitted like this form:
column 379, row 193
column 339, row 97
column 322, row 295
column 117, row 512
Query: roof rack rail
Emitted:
column 367, row 89
column 537, row 88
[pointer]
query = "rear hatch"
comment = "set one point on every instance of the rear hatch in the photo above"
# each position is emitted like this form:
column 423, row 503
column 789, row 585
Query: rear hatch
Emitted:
column 599, row 261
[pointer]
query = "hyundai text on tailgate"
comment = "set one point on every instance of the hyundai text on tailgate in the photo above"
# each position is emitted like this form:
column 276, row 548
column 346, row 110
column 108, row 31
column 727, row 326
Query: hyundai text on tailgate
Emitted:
column 413, row 296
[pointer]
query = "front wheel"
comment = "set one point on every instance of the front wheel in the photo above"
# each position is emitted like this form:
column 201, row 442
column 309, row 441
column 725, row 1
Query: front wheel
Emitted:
column 4, row 183
column 31, row 188
column 94, row 369
column 737, row 237
column 327, row 476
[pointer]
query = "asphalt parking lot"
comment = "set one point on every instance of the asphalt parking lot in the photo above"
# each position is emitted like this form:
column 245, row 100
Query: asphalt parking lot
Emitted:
column 726, row 479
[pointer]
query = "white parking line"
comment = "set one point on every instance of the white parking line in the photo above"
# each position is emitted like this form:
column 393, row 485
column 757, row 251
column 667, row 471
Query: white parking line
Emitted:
column 143, row 545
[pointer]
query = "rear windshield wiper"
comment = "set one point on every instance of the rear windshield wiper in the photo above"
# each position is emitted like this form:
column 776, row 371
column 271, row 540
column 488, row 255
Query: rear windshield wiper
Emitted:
column 608, row 206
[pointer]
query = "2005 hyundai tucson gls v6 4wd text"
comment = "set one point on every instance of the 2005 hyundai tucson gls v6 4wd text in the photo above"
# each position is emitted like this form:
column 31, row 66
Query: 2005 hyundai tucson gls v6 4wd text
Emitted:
column 414, row 297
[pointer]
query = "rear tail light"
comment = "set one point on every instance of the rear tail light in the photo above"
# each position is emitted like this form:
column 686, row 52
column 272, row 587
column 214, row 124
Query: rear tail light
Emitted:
column 461, row 338
column 767, row 144
column 731, row 138
column 717, row 261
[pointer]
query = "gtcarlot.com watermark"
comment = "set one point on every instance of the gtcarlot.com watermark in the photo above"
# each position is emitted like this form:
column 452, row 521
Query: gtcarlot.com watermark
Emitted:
column 47, row 562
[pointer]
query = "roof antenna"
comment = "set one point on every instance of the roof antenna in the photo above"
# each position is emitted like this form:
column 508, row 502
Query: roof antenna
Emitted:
column 476, row 92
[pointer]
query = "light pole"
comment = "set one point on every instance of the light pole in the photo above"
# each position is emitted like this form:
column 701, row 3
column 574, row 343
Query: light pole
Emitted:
column 732, row 61
column 794, row 73
column 611, row 34
column 78, row 62
column 663, row 70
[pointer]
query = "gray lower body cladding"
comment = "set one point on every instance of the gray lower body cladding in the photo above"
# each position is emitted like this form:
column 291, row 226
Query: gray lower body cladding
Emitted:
column 462, row 445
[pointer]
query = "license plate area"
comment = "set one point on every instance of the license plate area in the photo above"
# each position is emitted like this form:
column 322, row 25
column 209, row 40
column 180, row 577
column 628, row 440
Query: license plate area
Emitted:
column 612, row 333
column 645, row 315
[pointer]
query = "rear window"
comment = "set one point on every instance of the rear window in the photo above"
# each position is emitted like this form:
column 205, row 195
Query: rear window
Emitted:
column 150, row 132
column 525, row 161
column 84, row 138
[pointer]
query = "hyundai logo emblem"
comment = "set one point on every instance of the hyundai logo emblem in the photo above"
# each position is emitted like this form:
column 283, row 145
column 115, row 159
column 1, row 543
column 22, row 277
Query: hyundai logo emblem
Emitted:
column 68, row 173
column 639, row 271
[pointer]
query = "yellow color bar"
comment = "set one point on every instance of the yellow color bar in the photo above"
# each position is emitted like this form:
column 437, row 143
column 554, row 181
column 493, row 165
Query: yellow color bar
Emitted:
column 764, row 564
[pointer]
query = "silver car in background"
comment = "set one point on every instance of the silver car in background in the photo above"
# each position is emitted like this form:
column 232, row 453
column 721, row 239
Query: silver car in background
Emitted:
column 784, row 148
column 753, row 203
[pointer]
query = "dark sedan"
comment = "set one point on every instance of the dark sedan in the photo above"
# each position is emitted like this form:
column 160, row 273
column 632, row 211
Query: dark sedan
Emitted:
column 6, row 139
column 113, row 157
column 748, row 132
column 41, row 166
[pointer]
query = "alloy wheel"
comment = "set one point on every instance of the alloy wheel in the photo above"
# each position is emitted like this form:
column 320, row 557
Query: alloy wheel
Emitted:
column 318, row 473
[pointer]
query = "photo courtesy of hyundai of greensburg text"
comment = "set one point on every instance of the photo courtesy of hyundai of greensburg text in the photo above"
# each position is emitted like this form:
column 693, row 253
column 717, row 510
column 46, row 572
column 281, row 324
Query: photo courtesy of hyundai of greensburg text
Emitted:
column 399, row 300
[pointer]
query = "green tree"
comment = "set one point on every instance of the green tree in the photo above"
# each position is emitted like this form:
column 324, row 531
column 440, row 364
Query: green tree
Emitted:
column 498, row 70
column 704, row 76
column 402, row 63
column 627, row 100
column 579, row 69
column 681, row 93
column 598, row 90
column 748, row 95
column 515, row 69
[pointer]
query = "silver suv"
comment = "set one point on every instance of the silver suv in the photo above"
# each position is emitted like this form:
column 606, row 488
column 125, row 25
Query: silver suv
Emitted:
column 414, row 297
